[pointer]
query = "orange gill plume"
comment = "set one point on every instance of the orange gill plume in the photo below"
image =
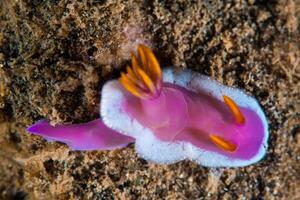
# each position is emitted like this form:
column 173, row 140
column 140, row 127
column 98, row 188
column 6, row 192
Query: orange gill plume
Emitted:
column 143, row 79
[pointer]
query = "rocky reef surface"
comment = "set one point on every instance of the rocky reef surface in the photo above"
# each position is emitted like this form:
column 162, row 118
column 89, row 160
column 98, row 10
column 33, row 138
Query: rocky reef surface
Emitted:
column 55, row 56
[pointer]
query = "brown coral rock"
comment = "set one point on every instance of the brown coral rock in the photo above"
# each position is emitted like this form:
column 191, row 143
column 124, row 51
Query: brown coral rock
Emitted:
column 55, row 56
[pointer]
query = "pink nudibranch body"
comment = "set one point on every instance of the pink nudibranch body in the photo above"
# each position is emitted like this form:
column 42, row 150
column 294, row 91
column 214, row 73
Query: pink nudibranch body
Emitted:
column 87, row 136
column 178, row 114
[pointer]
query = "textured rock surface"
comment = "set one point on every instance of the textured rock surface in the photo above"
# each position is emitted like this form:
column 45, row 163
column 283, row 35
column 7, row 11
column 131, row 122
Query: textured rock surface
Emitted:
column 55, row 56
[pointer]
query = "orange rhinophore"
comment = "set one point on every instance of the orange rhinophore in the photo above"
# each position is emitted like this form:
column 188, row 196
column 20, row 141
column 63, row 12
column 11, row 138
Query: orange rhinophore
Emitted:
column 238, row 115
column 223, row 143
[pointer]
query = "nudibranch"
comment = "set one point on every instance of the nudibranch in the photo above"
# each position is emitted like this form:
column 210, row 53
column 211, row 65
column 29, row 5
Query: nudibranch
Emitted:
column 171, row 115
column 180, row 114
